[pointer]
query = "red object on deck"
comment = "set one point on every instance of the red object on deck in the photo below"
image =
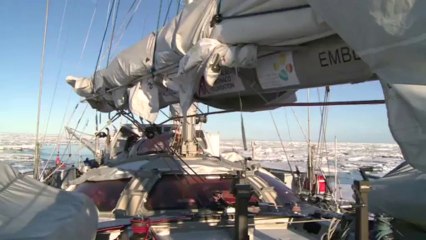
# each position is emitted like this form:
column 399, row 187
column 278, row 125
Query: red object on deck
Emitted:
column 58, row 160
column 140, row 226
column 321, row 184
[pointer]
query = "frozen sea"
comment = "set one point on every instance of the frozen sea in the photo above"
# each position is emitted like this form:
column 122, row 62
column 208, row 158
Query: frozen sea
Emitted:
column 346, row 158
column 18, row 150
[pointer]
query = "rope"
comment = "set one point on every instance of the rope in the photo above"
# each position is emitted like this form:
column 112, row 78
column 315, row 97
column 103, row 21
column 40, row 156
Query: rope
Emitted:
column 156, row 38
column 282, row 145
column 55, row 90
column 61, row 25
column 125, row 24
column 59, row 134
column 383, row 228
column 322, row 138
column 117, row 6
column 298, row 123
column 43, row 52
column 178, row 7
column 301, row 104
column 288, row 129
column 266, row 12
column 186, row 164
column 103, row 39
column 88, row 33
column 78, row 123
column 167, row 13
column 332, row 228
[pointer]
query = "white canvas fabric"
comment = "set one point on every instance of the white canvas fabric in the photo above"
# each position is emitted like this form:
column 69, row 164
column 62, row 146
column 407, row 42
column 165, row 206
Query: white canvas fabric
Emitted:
column 289, row 25
column 393, row 195
column 389, row 36
column 32, row 210
column 144, row 100
column 184, row 37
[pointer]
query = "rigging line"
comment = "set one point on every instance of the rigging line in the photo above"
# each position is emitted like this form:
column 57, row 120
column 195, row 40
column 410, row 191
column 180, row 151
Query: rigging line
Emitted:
column 43, row 52
column 318, row 150
column 61, row 25
column 117, row 7
column 161, row 111
column 103, row 39
column 167, row 12
column 286, row 9
column 75, row 129
column 322, row 111
column 297, row 104
column 159, row 15
column 336, row 103
column 324, row 140
column 282, row 145
column 309, row 120
column 288, row 128
column 124, row 25
column 186, row 164
column 300, row 125
column 178, row 7
column 198, row 108
column 323, row 125
column 110, row 7
column 288, row 125
column 153, row 70
column 59, row 133
column 58, row 137
column 54, row 91
column 88, row 33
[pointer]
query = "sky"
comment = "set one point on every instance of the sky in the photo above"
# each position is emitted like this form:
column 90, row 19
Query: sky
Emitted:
column 22, row 26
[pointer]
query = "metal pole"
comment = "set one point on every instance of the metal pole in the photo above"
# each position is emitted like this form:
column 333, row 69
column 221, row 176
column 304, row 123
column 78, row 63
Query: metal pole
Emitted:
column 362, row 189
column 243, row 193
column 311, row 175
column 37, row 143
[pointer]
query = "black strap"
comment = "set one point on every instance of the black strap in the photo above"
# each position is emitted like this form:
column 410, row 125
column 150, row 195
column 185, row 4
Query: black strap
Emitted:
column 219, row 18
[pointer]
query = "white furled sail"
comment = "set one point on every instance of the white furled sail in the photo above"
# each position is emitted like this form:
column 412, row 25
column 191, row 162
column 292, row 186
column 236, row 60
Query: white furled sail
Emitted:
column 222, row 53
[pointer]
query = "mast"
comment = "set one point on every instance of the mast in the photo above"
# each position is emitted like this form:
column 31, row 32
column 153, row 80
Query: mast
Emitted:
column 37, row 143
column 310, row 173
column 310, row 165
column 189, row 148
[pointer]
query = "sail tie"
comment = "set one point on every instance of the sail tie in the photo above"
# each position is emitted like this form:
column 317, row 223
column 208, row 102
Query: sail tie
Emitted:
column 219, row 18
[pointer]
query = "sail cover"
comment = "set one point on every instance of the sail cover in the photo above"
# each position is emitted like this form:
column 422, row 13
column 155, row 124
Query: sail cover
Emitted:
column 389, row 35
column 30, row 209
column 189, row 56
column 393, row 195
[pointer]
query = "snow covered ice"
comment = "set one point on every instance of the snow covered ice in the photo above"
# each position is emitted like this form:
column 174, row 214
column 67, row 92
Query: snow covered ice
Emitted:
column 18, row 149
